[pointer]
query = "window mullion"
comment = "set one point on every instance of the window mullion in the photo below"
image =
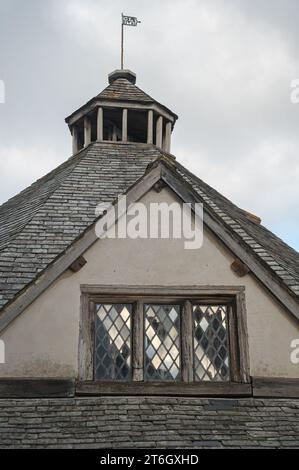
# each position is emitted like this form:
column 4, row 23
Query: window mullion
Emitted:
column 233, row 346
column 187, row 342
column 92, row 309
column 137, row 342
column 86, row 340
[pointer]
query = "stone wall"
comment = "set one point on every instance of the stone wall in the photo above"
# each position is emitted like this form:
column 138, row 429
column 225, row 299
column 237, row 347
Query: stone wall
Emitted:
column 138, row 422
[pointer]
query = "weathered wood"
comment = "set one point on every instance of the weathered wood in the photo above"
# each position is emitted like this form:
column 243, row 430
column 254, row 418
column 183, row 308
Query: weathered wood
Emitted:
column 159, row 132
column 154, row 388
column 224, row 292
column 78, row 264
column 87, row 131
column 137, row 342
column 239, row 268
column 75, row 139
column 234, row 351
column 35, row 388
column 86, row 339
column 170, row 294
column 150, row 124
column 125, row 125
column 242, row 335
column 106, row 103
column 159, row 186
column 253, row 217
column 275, row 387
column 167, row 137
column 187, row 342
column 100, row 124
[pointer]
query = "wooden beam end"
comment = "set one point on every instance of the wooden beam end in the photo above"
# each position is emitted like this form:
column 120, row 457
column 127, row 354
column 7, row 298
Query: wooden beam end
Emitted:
column 239, row 268
column 78, row 264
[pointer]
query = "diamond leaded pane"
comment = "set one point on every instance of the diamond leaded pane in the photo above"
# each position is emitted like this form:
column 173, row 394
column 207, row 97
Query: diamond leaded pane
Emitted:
column 162, row 342
column 211, row 350
column 113, row 342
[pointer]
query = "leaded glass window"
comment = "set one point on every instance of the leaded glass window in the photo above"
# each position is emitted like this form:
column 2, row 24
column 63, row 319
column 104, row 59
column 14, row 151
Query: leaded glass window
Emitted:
column 173, row 338
column 211, row 348
column 162, row 342
column 113, row 342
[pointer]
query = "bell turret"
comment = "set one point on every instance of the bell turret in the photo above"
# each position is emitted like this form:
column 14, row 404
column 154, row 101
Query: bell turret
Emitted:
column 122, row 112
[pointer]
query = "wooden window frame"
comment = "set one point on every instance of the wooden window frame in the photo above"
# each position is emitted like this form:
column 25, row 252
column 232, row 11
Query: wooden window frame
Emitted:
column 233, row 297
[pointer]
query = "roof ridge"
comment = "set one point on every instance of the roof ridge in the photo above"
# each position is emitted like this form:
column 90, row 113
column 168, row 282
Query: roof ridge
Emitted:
column 121, row 81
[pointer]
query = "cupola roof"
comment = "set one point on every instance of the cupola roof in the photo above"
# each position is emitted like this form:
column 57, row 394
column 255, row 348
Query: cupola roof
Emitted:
column 122, row 89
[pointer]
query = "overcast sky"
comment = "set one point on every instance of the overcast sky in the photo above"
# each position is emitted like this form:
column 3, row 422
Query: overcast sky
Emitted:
column 225, row 67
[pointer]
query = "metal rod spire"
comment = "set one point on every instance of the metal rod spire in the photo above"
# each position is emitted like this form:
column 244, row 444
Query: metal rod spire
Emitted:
column 126, row 21
column 122, row 43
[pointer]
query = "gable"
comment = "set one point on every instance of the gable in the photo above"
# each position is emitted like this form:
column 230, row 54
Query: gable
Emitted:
column 227, row 226
column 54, row 316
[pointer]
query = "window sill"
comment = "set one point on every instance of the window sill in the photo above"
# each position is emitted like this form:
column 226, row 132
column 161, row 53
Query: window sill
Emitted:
column 227, row 389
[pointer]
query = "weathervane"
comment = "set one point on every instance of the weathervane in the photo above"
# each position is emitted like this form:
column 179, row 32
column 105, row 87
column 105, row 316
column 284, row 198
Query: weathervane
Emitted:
column 126, row 21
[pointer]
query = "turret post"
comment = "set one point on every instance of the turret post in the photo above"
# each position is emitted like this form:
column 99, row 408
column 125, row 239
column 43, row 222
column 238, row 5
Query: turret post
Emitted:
column 75, row 139
column 167, row 136
column 159, row 131
column 150, row 121
column 125, row 125
column 87, row 131
column 100, row 126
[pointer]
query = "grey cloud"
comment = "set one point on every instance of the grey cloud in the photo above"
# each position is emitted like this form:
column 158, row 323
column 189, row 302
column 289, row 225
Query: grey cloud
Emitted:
column 224, row 66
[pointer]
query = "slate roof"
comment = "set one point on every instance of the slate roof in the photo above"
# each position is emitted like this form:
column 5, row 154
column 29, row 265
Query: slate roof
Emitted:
column 37, row 225
column 149, row 422
column 122, row 89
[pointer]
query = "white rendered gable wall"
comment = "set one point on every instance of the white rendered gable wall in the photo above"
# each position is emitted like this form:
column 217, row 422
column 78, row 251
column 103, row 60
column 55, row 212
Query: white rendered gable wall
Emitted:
column 43, row 340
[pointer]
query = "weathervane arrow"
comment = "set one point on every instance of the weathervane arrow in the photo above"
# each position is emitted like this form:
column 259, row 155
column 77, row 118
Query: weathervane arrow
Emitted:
column 126, row 21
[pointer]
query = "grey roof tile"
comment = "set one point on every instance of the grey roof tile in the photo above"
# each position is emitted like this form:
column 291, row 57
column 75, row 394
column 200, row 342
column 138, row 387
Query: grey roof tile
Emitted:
column 161, row 422
column 37, row 225
column 122, row 89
